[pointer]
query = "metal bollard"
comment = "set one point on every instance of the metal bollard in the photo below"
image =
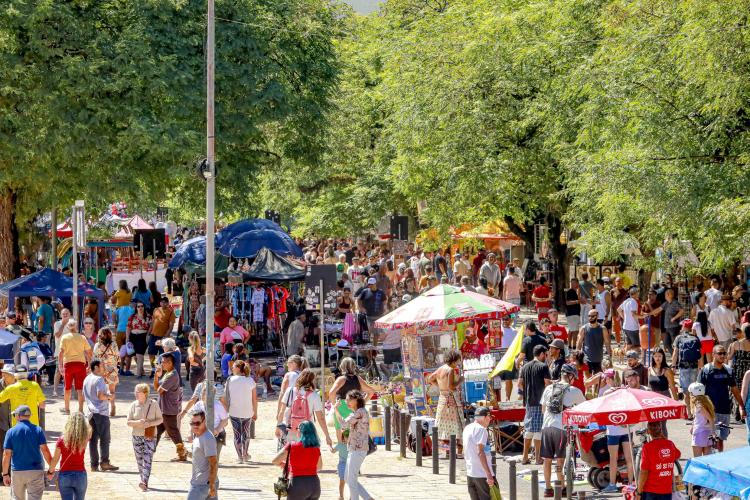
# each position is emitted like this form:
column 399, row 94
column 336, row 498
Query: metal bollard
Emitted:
column 512, row 479
column 569, row 484
column 534, row 484
column 252, row 429
column 402, row 434
column 435, row 451
column 418, row 427
column 452, row 461
column 388, row 428
column 557, row 485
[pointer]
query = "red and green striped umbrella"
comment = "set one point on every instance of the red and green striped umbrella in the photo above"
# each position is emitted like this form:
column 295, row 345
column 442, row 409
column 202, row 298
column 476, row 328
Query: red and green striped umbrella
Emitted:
column 445, row 305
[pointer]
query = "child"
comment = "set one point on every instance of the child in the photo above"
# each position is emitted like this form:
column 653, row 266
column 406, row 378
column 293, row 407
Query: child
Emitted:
column 704, row 419
column 343, row 453
column 225, row 360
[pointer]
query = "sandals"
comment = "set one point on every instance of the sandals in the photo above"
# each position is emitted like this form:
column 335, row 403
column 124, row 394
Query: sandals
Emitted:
column 64, row 411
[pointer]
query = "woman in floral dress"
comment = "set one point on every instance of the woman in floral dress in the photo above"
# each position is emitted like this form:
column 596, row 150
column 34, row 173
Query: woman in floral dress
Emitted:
column 106, row 351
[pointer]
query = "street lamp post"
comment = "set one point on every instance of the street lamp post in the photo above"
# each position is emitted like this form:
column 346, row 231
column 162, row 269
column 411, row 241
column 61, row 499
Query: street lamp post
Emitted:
column 79, row 241
column 210, row 176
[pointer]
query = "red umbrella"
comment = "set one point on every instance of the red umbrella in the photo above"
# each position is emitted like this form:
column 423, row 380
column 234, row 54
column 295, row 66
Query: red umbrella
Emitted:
column 625, row 406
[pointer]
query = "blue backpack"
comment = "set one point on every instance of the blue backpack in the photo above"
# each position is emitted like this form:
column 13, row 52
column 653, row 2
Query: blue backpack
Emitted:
column 689, row 351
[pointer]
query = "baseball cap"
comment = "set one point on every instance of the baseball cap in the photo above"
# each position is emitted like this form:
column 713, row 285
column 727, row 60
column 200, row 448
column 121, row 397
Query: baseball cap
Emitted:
column 372, row 281
column 570, row 370
column 458, row 254
column 558, row 343
column 632, row 355
column 687, row 324
column 22, row 411
column 482, row 411
column 9, row 368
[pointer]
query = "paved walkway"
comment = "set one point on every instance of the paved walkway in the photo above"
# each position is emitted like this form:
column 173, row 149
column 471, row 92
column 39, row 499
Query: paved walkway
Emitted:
column 384, row 474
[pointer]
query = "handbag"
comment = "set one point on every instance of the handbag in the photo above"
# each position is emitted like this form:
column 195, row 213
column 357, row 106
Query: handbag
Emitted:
column 149, row 432
column 281, row 486
column 371, row 446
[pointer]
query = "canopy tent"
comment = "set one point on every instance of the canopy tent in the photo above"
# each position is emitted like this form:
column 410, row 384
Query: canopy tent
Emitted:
column 49, row 283
column 247, row 245
column 446, row 305
column 64, row 230
column 271, row 267
column 191, row 251
column 8, row 344
column 242, row 226
column 727, row 472
column 130, row 225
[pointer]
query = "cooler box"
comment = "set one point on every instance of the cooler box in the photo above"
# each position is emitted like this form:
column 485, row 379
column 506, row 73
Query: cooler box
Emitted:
column 475, row 391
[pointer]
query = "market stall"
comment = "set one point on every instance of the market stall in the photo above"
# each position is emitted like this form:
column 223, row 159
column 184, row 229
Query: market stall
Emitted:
column 431, row 325
column 727, row 472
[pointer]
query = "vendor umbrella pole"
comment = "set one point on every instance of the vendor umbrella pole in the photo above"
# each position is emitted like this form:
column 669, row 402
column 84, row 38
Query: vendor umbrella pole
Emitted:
column 154, row 255
column 322, row 343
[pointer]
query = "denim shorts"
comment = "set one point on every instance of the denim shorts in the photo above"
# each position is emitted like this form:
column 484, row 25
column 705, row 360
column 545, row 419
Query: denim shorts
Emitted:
column 722, row 418
column 341, row 468
column 687, row 377
column 616, row 440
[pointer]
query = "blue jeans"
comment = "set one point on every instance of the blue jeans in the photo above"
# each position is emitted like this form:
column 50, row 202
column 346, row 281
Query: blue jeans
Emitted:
column 72, row 485
column 200, row 492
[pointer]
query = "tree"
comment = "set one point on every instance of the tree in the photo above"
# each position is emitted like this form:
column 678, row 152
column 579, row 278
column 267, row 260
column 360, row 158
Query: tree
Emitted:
column 106, row 99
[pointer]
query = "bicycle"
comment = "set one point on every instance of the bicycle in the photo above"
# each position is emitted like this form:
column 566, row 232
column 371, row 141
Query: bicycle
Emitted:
column 696, row 492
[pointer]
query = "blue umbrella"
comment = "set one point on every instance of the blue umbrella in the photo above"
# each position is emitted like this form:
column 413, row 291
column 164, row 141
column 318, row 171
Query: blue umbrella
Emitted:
column 193, row 250
column 248, row 244
column 727, row 472
column 235, row 229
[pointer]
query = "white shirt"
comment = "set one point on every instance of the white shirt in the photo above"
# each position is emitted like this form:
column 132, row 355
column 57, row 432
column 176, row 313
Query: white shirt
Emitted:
column 219, row 412
column 571, row 397
column 723, row 320
column 313, row 401
column 601, row 307
column 474, row 434
column 713, row 298
column 239, row 391
column 355, row 273
column 628, row 308
column 508, row 335
column 699, row 332
column 392, row 339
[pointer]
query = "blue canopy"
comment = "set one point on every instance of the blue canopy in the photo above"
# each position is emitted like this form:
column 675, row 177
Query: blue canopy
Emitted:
column 49, row 283
column 242, row 226
column 8, row 343
column 248, row 244
column 727, row 472
column 192, row 250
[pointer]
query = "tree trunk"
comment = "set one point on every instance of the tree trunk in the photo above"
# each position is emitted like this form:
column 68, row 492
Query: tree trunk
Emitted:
column 560, row 259
column 9, row 250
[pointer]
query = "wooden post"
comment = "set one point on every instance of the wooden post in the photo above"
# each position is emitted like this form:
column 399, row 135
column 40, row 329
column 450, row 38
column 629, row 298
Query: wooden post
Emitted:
column 388, row 428
column 452, row 461
column 435, row 451
column 557, row 485
column 512, row 479
column 534, row 484
column 402, row 434
column 418, row 428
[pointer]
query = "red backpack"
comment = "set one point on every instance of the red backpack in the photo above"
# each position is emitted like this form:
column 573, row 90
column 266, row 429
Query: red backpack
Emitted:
column 300, row 409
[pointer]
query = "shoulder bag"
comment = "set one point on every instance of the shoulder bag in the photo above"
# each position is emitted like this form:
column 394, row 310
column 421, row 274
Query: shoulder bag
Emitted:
column 149, row 432
column 281, row 486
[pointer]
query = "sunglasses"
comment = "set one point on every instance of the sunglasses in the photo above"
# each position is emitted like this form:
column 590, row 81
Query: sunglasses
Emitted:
column 195, row 424
column 721, row 353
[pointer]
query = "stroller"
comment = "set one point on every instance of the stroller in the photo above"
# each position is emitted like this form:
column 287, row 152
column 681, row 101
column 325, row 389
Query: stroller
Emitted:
column 592, row 446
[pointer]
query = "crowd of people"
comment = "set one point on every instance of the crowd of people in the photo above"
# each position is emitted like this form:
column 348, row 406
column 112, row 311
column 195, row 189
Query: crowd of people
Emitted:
column 698, row 351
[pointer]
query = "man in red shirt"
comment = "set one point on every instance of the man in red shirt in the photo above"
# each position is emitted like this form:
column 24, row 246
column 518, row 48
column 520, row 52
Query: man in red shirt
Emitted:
column 657, row 466
column 558, row 331
column 221, row 316
column 473, row 347
column 540, row 297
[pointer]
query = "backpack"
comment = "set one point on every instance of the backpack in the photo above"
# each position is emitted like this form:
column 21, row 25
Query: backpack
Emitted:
column 29, row 353
column 555, row 403
column 689, row 351
column 300, row 409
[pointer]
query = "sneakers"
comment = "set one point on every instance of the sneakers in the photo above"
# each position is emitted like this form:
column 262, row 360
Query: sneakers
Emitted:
column 549, row 493
column 612, row 488
column 107, row 467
